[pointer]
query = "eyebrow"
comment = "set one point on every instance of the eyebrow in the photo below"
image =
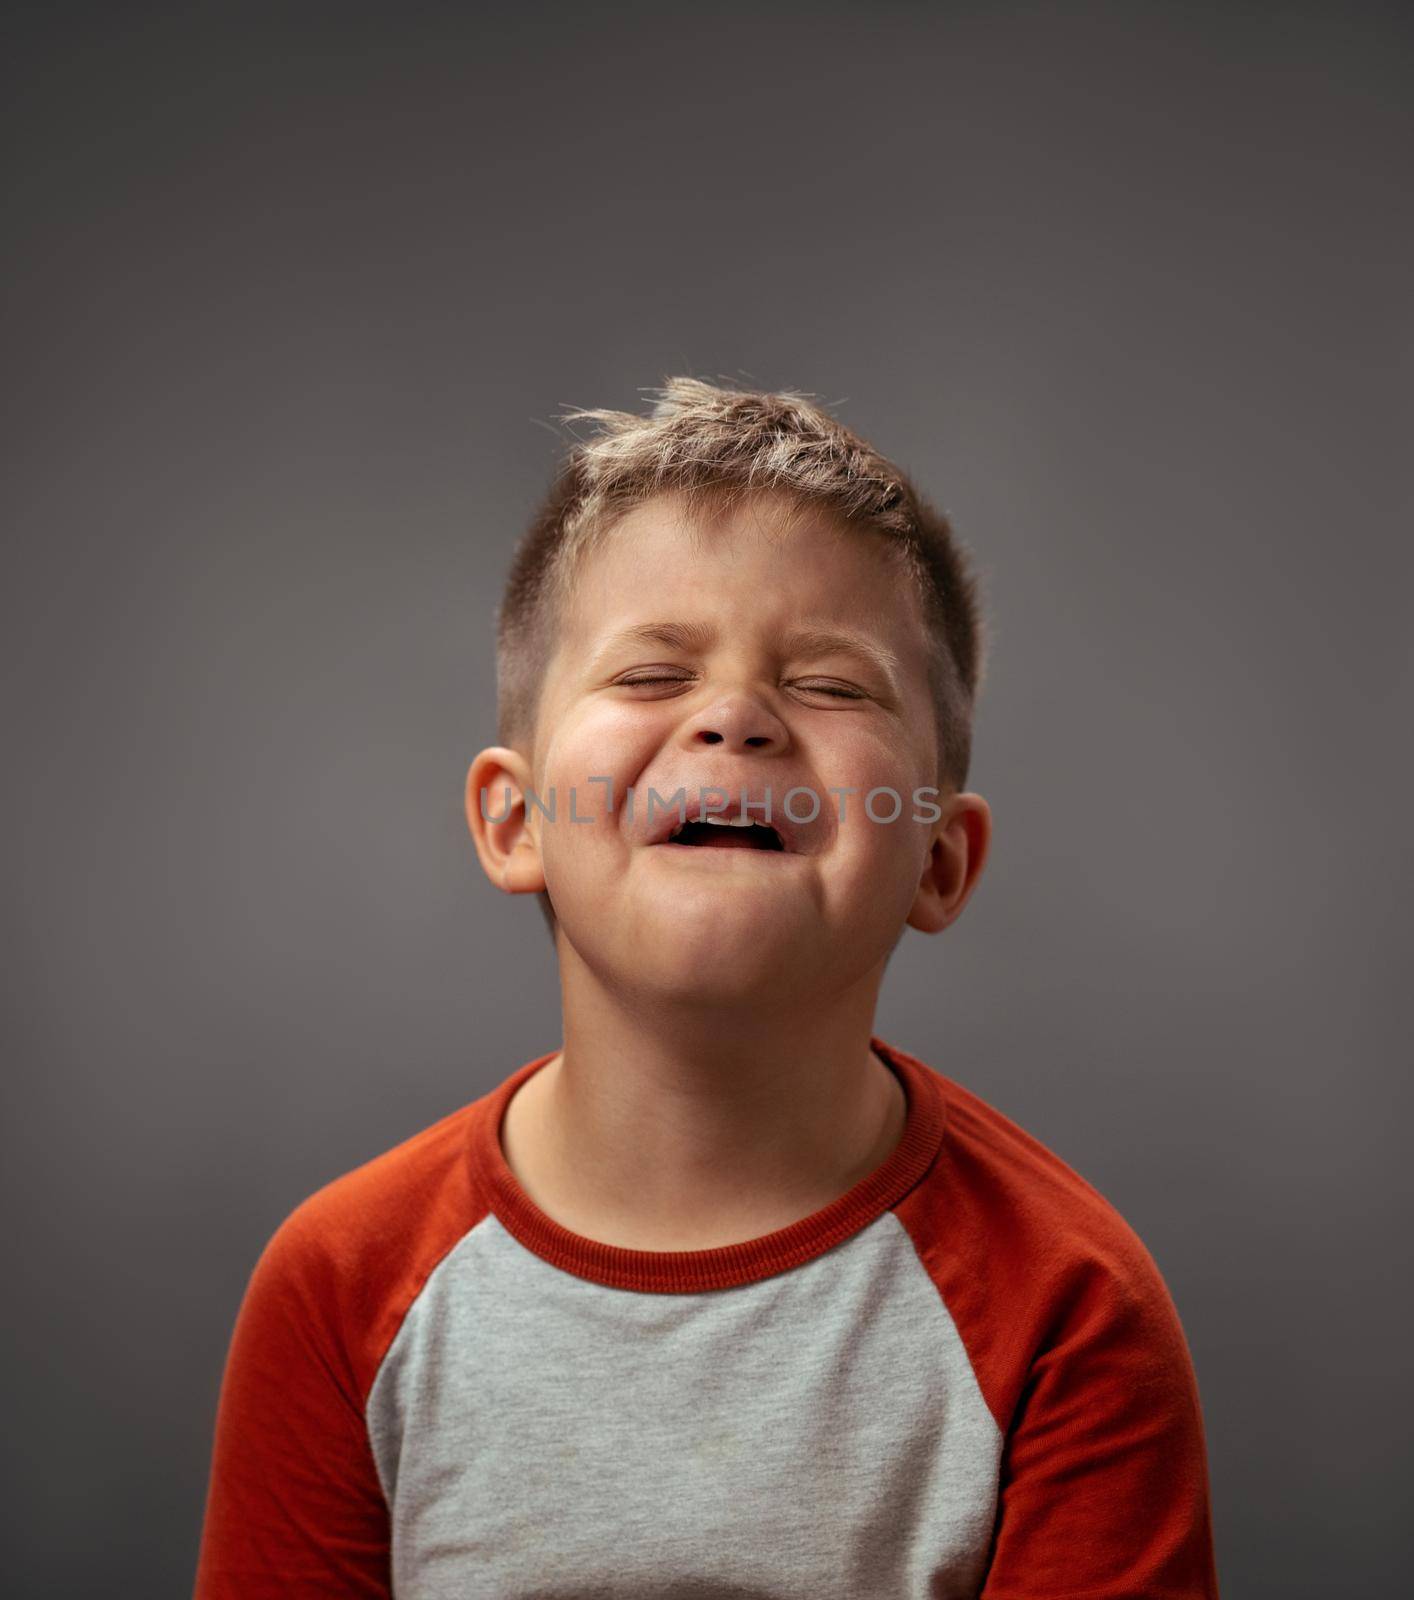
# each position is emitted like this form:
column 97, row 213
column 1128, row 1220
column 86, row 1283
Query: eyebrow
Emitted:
column 828, row 641
column 798, row 641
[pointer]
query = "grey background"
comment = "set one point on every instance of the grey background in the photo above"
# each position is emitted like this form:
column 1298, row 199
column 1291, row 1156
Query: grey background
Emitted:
column 295, row 295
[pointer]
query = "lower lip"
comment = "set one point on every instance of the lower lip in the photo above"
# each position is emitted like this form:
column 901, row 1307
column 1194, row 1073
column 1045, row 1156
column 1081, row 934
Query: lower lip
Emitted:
column 721, row 852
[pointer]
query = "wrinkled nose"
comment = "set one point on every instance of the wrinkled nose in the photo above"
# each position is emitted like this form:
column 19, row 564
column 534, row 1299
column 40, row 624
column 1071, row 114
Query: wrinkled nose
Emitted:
column 739, row 723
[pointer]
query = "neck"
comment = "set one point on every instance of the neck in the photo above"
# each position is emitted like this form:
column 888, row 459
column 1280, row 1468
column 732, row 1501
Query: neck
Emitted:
column 660, row 1128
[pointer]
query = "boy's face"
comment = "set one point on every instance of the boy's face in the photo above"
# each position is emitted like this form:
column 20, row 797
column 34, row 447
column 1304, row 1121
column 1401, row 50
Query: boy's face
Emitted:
column 742, row 699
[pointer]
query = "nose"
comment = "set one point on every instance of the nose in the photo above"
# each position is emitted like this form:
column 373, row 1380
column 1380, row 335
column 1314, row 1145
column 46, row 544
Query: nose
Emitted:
column 738, row 721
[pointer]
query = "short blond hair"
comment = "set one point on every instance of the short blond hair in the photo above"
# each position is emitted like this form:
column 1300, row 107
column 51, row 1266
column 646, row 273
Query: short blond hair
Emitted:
column 714, row 446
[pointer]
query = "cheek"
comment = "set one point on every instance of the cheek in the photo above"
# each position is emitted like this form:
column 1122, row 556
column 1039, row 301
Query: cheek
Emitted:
column 612, row 743
column 588, row 769
column 880, row 867
column 883, row 835
column 881, row 848
column 868, row 764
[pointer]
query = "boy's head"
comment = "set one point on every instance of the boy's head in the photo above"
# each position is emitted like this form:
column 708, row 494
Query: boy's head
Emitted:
column 731, row 596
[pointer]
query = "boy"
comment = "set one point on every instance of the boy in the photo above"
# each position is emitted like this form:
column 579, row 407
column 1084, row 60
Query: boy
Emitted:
column 727, row 1296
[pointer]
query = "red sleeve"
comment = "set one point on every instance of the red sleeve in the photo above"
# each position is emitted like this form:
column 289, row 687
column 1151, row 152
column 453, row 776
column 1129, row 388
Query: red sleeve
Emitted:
column 1104, row 1487
column 294, row 1505
column 1077, row 1347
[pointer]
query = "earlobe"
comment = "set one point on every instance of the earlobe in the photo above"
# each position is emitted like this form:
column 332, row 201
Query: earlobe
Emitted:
column 496, row 785
column 957, row 854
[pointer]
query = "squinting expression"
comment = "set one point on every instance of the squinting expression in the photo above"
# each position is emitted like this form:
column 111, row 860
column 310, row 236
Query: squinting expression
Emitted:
column 758, row 650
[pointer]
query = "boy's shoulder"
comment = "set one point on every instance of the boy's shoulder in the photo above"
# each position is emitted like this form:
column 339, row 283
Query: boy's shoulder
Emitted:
column 425, row 1182
column 348, row 1260
column 996, row 1191
column 1028, row 1255
column 990, row 1153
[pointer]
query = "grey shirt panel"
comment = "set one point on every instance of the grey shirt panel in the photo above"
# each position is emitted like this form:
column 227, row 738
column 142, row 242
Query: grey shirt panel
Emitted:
column 818, row 1433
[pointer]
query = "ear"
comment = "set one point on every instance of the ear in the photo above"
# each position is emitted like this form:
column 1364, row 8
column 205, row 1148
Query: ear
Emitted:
column 496, row 812
column 958, row 853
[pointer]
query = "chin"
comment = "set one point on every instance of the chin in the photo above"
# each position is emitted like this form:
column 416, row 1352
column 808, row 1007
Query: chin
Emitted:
column 690, row 984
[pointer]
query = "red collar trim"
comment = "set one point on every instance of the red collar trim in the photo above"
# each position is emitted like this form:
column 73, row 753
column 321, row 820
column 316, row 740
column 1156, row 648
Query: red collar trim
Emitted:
column 689, row 1271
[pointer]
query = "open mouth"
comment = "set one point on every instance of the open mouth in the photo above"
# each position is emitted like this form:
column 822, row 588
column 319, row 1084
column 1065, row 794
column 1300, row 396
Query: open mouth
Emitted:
column 726, row 835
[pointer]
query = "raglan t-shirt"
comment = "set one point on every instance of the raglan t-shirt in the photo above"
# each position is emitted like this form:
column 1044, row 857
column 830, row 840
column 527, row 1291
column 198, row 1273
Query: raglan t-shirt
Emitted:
column 964, row 1377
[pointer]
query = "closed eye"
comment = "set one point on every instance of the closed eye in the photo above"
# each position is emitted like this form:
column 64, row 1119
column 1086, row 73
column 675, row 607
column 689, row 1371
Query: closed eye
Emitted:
column 835, row 690
column 841, row 691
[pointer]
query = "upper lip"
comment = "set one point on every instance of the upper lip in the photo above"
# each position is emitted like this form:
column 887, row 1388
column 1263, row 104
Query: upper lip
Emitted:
column 796, row 837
